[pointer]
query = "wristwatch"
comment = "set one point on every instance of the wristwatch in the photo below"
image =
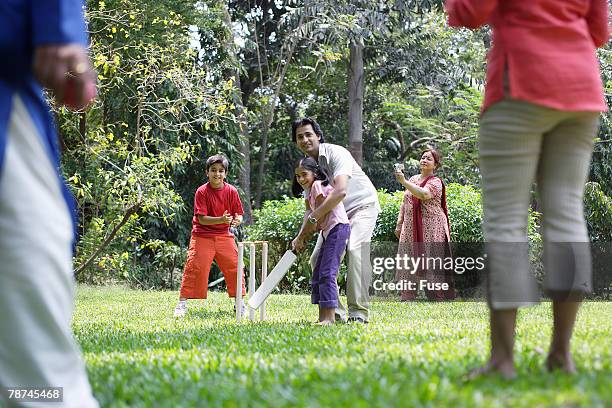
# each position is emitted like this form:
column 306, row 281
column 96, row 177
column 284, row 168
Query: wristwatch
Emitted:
column 312, row 220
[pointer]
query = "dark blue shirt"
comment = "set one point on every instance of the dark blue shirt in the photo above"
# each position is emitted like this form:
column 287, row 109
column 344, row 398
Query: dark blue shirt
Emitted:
column 25, row 25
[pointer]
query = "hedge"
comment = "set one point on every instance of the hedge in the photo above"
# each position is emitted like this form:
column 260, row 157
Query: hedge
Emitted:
column 279, row 221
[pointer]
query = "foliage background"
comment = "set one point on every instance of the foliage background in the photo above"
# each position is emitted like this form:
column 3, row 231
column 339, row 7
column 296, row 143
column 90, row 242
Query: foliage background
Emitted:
column 181, row 80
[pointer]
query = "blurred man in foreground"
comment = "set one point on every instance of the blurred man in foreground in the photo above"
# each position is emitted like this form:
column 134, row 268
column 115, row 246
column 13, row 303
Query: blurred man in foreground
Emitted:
column 43, row 45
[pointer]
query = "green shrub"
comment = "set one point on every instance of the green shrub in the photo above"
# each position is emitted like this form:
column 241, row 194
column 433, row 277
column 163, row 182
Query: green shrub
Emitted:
column 279, row 221
column 464, row 212
column 387, row 219
column 598, row 213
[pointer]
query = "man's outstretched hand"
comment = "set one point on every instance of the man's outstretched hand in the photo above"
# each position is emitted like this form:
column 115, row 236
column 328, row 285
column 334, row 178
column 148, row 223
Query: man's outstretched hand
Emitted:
column 66, row 71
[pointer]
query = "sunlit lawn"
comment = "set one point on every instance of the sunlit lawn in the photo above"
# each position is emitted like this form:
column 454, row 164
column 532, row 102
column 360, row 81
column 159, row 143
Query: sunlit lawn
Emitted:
column 411, row 354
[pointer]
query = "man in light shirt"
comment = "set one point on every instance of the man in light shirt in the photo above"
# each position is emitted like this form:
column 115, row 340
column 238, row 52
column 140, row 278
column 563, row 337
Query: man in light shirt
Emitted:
column 354, row 189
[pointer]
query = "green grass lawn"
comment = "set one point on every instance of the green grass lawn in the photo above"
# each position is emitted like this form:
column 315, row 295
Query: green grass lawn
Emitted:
column 410, row 355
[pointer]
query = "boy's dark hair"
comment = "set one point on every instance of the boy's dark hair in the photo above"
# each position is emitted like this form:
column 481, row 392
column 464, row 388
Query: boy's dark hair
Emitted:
column 310, row 164
column 217, row 158
column 303, row 122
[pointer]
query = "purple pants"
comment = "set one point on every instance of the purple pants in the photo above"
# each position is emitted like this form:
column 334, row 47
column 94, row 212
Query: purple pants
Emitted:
column 324, row 283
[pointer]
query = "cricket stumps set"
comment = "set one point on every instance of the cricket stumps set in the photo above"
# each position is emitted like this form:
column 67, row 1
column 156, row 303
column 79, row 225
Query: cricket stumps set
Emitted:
column 258, row 297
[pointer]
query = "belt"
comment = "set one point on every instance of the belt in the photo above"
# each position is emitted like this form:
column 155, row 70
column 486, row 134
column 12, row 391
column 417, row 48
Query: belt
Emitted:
column 361, row 207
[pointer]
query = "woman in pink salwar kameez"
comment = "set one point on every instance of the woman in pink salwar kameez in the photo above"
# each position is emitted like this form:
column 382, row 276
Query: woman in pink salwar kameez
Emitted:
column 423, row 230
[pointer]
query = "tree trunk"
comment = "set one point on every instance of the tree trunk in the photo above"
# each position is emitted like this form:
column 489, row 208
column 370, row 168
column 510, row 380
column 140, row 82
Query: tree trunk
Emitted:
column 83, row 124
column 244, row 167
column 356, row 92
column 487, row 40
column 269, row 110
column 244, row 172
column 267, row 122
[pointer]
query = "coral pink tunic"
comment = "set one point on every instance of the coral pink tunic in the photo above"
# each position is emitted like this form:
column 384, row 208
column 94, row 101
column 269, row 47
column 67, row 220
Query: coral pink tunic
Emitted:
column 545, row 48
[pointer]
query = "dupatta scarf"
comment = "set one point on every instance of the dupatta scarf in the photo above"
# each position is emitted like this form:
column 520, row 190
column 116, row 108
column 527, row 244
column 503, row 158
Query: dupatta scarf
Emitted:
column 417, row 212
column 418, row 244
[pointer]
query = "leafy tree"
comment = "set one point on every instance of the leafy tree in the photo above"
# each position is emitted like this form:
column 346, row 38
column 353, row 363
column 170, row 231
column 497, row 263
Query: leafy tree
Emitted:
column 180, row 80
column 270, row 34
column 601, row 165
column 352, row 24
column 159, row 107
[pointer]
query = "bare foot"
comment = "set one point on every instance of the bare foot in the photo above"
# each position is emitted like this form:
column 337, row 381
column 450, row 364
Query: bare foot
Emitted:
column 562, row 362
column 325, row 323
column 327, row 314
column 505, row 370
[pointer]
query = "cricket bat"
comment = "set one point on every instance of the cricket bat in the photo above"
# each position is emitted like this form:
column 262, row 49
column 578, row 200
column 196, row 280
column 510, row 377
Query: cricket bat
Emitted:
column 268, row 285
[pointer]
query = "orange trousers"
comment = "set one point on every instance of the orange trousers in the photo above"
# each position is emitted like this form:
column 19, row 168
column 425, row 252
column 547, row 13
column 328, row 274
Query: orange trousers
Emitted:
column 202, row 252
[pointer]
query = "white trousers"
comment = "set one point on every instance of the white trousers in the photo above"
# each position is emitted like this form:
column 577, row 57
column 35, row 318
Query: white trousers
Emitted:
column 36, row 283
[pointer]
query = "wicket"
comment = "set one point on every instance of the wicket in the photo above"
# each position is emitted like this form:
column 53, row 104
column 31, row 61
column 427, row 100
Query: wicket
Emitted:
column 264, row 273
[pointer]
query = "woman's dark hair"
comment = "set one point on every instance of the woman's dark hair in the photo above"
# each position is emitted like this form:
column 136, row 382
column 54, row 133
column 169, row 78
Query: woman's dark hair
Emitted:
column 310, row 164
column 303, row 122
column 436, row 156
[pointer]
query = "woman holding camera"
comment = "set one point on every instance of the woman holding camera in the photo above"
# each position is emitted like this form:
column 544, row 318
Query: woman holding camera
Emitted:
column 423, row 228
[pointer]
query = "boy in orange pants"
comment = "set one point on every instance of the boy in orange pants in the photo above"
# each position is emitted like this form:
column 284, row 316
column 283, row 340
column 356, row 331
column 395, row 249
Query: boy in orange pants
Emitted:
column 217, row 206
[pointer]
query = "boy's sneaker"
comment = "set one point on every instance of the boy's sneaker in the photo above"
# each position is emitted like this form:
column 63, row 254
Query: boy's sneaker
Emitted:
column 180, row 309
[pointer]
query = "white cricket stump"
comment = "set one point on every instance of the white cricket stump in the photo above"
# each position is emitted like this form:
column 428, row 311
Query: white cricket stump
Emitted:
column 252, row 279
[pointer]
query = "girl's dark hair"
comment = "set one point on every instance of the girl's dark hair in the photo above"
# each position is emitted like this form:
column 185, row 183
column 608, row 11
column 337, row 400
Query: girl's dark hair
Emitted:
column 303, row 122
column 310, row 164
